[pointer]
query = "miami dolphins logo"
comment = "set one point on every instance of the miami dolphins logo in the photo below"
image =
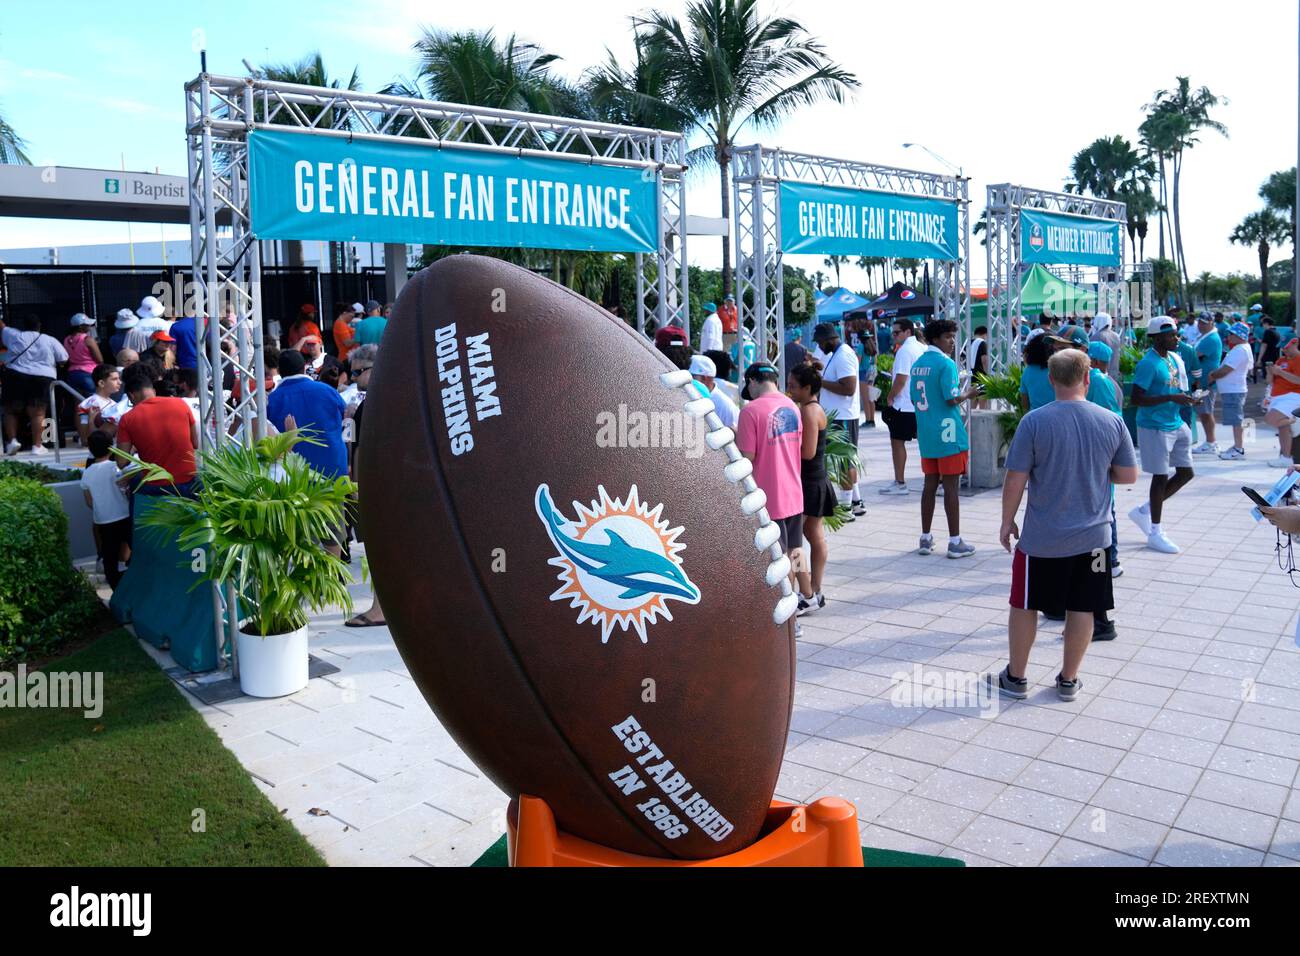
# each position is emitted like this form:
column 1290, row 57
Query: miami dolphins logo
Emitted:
column 618, row 561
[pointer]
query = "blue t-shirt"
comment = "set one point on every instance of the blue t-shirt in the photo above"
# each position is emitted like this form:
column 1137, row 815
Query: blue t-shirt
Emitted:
column 1191, row 362
column 1035, row 383
column 1209, row 351
column 184, row 331
column 1104, row 392
column 316, row 406
column 1157, row 376
column 884, row 341
column 940, row 431
column 370, row 330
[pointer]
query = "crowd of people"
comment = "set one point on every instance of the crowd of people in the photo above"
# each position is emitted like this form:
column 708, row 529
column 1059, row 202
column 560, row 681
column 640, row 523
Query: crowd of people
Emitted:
column 1070, row 449
column 143, row 399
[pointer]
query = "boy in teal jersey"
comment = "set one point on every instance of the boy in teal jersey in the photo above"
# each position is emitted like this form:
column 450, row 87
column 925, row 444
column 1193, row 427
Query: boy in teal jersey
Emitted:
column 1164, row 440
column 935, row 389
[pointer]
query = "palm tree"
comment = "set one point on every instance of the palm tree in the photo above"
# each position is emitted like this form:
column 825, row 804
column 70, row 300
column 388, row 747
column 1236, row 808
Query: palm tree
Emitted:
column 474, row 69
column 1278, row 192
column 1113, row 169
column 1204, row 280
column 909, row 267
column 1262, row 230
column 309, row 71
column 1187, row 112
column 834, row 262
column 1159, row 133
column 11, row 145
column 641, row 96
column 731, row 68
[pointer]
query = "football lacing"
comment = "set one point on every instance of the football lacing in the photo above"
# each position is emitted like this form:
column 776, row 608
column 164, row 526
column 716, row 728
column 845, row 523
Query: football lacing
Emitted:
column 753, row 503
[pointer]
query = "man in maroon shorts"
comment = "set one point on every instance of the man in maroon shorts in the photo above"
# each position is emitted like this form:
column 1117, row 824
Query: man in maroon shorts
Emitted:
column 1068, row 453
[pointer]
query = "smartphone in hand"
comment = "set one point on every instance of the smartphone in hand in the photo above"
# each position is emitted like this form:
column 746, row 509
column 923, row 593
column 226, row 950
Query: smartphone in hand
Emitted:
column 1256, row 497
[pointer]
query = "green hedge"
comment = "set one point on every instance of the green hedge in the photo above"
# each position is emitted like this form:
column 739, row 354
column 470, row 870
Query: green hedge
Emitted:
column 43, row 600
column 1278, row 302
column 46, row 476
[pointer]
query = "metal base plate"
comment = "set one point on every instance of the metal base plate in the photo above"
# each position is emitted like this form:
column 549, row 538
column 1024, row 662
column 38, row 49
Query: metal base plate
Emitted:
column 216, row 687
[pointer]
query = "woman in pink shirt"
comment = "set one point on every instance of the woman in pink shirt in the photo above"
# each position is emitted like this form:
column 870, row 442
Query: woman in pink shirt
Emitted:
column 83, row 354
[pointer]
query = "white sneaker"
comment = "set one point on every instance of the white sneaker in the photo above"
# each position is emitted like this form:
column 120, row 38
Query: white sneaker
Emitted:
column 1116, row 569
column 893, row 488
column 13, row 447
column 1142, row 519
column 40, row 450
column 1233, row 454
column 1280, row 462
column 1206, row 448
column 1157, row 541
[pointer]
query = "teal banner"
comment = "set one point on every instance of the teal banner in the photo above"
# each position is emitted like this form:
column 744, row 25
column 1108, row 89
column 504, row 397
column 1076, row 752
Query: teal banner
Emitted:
column 326, row 188
column 862, row 222
column 1056, row 239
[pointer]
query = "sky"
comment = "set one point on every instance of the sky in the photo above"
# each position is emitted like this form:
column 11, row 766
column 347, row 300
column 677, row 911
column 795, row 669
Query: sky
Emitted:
column 1008, row 91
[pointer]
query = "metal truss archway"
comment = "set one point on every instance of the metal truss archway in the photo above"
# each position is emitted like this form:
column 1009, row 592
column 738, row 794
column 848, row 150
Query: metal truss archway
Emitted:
column 221, row 111
column 1005, row 266
column 758, row 172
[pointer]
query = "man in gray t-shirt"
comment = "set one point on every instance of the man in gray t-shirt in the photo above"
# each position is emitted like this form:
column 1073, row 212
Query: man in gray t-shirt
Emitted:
column 1067, row 453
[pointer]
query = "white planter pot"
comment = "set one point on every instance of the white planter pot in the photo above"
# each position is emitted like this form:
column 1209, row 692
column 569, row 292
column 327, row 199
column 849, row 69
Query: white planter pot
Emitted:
column 272, row 666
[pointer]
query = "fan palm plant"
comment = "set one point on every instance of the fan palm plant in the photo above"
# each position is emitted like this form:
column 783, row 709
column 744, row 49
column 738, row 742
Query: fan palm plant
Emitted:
column 262, row 514
column 841, row 460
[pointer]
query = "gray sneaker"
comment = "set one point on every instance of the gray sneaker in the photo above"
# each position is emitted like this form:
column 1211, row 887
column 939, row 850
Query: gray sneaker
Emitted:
column 927, row 544
column 960, row 550
column 894, row 488
column 1016, row 690
column 1068, row 689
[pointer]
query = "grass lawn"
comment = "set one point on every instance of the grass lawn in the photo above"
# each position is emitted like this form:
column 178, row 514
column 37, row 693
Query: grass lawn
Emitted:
column 122, row 790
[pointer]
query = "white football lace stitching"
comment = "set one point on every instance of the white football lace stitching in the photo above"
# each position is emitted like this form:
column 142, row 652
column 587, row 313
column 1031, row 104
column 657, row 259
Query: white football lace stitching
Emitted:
column 740, row 472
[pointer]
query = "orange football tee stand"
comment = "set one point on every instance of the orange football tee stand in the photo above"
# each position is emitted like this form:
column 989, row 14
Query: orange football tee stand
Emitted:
column 825, row 833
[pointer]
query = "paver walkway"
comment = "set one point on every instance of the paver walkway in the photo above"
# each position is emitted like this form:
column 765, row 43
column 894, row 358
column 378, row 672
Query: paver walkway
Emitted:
column 1183, row 748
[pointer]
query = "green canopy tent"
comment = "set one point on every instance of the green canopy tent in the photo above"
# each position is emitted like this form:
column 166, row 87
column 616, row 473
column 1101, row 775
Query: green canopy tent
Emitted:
column 1040, row 291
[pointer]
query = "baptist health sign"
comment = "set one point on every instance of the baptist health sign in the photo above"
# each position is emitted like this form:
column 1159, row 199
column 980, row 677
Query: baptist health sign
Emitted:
column 1055, row 239
column 326, row 188
column 862, row 222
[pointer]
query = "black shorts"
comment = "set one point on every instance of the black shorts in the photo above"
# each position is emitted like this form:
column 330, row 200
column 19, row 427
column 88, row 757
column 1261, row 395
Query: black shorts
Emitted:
column 23, row 391
column 791, row 532
column 1081, row 582
column 850, row 428
column 902, row 425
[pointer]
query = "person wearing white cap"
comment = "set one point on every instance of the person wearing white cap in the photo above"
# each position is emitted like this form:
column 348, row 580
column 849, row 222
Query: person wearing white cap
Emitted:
column 1231, row 379
column 1164, row 440
column 126, row 320
column 705, row 373
column 83, row 354
column 1209, row 355
column 151, row 313
column 1103, row 330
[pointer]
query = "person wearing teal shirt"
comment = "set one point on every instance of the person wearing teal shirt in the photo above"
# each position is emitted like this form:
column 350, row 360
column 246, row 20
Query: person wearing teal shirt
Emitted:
column 934, row 386
column 1103, row 391
column 370, row 330
column 1035, row 389
column 1192, row 367
column 1209, row 356
column 1164, row 440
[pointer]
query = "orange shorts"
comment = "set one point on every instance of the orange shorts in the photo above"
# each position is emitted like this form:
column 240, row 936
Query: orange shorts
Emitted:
column 946, row 466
